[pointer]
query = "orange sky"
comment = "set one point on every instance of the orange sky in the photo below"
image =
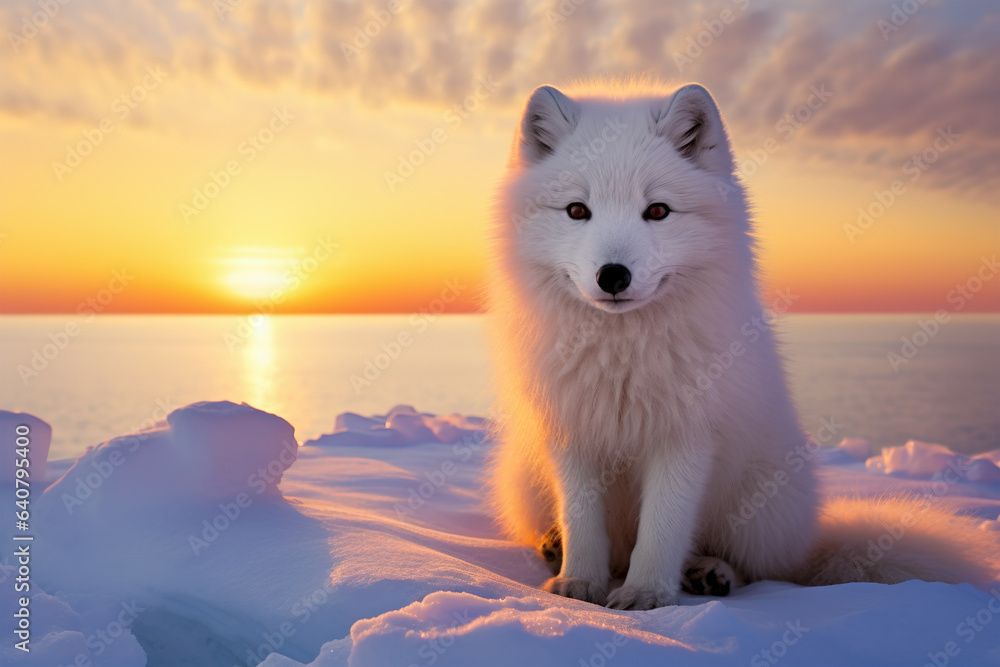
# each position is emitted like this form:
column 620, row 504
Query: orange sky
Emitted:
column 165, row 97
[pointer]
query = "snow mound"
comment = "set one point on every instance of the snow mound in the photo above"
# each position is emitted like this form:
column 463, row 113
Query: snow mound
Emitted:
column 768, row 621
column 170, row 521
column 922, row 460
column 99, row 633
column 20, row 430
column 202, row 453
column 402, row 426
column 177, row 546
column 855, row 448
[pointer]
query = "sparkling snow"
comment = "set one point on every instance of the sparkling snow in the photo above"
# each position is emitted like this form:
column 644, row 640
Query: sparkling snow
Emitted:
column 214, row 539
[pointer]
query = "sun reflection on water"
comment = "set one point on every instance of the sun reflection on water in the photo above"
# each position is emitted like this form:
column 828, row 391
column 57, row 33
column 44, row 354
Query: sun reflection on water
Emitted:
column 258, row 363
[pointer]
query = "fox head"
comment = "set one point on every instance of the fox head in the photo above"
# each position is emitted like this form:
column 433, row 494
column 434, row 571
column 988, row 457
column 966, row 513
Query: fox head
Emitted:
column 620, row 203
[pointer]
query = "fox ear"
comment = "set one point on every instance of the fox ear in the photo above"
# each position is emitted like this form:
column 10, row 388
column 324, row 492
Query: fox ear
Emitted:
column 690, row 120
column 549, row 117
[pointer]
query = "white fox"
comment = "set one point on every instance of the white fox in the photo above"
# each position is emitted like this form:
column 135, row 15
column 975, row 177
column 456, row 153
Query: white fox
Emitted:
column 624, row 274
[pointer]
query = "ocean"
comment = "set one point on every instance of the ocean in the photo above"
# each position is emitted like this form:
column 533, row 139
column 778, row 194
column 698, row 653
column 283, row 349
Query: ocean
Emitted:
column 885, row 378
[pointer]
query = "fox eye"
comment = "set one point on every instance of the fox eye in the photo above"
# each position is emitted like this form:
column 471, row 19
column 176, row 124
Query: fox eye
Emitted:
column 657, row 211
column 578, row 211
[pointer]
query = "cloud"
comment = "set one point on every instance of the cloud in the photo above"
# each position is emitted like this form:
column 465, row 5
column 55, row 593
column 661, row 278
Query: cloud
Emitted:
column 893, row 88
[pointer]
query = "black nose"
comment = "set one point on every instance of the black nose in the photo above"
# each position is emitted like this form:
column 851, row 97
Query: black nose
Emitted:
column 613, row 278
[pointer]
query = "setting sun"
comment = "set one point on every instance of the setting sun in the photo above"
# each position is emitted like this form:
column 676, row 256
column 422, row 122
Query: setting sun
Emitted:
column 261, row 272
column 261, row 280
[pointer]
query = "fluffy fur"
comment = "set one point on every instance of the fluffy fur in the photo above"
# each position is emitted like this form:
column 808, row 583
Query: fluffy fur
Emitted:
column 642, row 431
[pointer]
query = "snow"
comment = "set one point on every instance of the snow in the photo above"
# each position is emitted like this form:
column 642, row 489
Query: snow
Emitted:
column 12, row 423
column 925, row 460
column 212, row 539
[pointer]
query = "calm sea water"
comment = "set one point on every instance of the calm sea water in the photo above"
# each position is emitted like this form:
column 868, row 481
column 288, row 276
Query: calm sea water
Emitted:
column 118, row 372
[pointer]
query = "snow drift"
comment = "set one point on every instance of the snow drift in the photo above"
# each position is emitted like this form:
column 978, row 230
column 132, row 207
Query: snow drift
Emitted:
column 178, row 546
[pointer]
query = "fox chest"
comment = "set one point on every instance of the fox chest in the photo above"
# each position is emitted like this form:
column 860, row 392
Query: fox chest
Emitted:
column 619, row 395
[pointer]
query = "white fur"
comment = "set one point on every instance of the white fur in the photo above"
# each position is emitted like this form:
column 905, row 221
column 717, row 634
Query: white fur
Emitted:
column 606, row 431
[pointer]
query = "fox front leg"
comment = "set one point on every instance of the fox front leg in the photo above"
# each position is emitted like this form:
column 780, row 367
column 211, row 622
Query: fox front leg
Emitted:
column 672, row 486
column 586, row 547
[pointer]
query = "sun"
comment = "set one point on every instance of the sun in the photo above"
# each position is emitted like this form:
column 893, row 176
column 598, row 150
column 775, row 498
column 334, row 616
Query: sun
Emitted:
column 256, row 283
column 267, row 272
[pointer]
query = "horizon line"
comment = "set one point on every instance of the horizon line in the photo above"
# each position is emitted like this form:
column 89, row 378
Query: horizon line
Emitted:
column 457, row 311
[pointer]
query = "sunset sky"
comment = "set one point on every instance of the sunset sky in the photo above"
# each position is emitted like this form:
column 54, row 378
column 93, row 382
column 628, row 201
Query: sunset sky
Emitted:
column 195, row 156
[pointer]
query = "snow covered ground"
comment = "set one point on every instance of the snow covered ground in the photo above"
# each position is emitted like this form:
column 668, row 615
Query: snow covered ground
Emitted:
column 214, row 539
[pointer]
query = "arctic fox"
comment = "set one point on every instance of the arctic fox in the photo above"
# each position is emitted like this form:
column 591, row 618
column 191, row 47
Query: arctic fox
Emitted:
column 647, row 430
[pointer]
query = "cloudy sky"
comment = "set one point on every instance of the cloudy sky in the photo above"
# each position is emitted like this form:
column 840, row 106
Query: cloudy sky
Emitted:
column 344, row 153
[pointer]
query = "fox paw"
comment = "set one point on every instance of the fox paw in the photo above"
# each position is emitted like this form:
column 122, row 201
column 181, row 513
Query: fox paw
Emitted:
column 578, row 589
column 551, row 549
column 708, row 575
column 633, row 597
